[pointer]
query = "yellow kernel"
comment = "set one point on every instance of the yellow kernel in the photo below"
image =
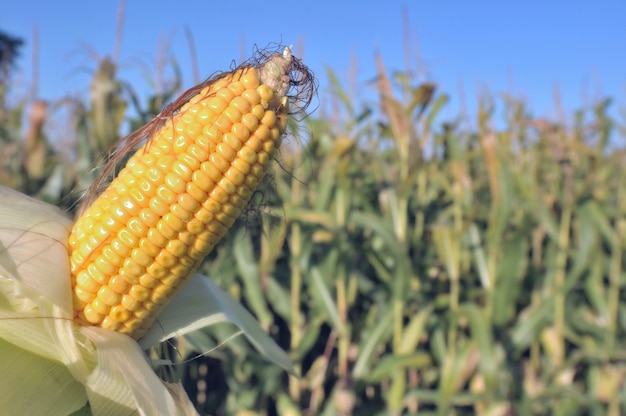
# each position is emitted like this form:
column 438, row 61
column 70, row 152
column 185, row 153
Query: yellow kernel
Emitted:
column 189, row 163
column 237, row 200
column 142, row 313
column 268, row 147
column 108, row 296
column 241, row 132
column 128, row 238
column 211, row 170
column 252, row 96
column 96, row 274
column 247, row 155
column 165, row 162
column 258, row 111
column 199, row 153
column 159, row 298
column 236, row 87
column 192, row 130
column 217, row 104
column 166, row 194
column 91, row 315
column 130, row 303
column 119, row 313
column 131, row 267
column 108, row 222
column 212, row 206
column 118, row 284
column 219, row 162
column 166, row 259
column 119, row 247
column 176, row 248
column 138, row 169
column 225, row 95
column 241, row 165
column 250, row 78
column 112, row 257
column 223, row 123
column 148, row 188
column 157, row 271
column 140, row 257
column 199, row 249
column 110, row 324
column 173, row 279
column 265, row 92
column 241, row 105
column 175, row 184
column 186, row 237
column 154, row 175
column 137, row 227
column 104, row 266
column 212, row 134
column 148, row 217
column 175, row 223
column 86, row 282
column 155, row 237
column 182, row 213
column 225, row 219
column 219, row 195
column 226, row 151
column 185, row 117
column 261, row 133
column 235, row 177
column 138, row 197
column 232, row 210
column 188, row 202
column 275, row 134
column 217, row 228
column 233, row 141
column 168, row 232
column 228, row 186
column 131, row 276
column 254, row 143
column 204, row 214
column 99, row 306
column 209, row 237
column 148, row 281
column 183, row 173
column 194, row 192
column 269, row 119
column 232, row 114
column 120, row 215
column 195, row 225
column 84, row 295
column 206, row 115
column 250, row 122
column 263, row 158
column 149, row 248
column 139, row 292
column 158, row 206
column 202, row 181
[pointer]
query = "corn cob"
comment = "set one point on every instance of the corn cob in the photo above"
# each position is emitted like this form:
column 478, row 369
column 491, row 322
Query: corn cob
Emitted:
column 136, row 244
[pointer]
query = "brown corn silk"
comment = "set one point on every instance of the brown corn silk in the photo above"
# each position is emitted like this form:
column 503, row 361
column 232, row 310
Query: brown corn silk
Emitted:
column 135, row 245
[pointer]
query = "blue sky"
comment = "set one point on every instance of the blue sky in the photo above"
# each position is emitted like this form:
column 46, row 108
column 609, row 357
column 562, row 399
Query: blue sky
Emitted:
column 523, row 48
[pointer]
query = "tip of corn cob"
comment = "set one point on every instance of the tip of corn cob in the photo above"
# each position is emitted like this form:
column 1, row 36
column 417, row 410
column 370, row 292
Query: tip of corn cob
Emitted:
column 138, row 242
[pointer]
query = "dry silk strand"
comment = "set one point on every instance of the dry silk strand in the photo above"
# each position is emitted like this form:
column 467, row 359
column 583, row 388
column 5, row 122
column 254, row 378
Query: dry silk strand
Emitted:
column 139, row 241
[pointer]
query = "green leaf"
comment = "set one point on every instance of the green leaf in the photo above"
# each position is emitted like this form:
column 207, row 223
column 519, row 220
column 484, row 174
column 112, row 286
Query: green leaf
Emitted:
column 201, row 303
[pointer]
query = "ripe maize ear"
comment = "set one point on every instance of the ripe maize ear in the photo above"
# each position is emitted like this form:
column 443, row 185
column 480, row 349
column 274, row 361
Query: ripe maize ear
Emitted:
column 138, row 242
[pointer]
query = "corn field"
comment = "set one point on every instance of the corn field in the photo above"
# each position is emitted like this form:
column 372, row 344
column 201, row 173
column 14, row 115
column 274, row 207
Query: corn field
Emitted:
column 408, row 264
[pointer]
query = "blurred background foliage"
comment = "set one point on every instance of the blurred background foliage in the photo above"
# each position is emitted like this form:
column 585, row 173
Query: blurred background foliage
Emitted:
column 407, row 264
